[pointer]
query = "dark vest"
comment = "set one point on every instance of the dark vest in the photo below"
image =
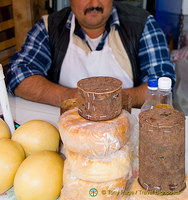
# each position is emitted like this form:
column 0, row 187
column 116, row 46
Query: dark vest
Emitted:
column 132, row 22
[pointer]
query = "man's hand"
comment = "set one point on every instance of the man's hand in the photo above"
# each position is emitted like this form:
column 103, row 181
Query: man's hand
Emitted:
column 137, row 94
column 37, row 88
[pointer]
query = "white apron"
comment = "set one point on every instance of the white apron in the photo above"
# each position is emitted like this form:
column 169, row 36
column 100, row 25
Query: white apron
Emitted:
column 78, row 65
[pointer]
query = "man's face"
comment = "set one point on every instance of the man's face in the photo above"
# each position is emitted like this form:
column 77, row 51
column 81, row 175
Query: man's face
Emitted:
column 91, row 14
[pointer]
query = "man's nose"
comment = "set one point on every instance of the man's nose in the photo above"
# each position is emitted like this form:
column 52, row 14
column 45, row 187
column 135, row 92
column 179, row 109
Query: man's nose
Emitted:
column 94, row 3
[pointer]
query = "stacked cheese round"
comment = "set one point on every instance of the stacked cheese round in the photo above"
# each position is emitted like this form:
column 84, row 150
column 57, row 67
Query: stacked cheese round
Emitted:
column 108, row 168
column 98, row 156
column 91, row 138
column 75, row 188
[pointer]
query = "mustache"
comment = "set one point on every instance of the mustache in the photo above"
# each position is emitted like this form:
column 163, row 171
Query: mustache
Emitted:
column 92, row 9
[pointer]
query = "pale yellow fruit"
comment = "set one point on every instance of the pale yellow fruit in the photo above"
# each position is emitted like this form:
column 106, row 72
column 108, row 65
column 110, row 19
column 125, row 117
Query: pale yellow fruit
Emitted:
column 11, row 156
column 37, row 135
column 40, row 176
column 4, row 130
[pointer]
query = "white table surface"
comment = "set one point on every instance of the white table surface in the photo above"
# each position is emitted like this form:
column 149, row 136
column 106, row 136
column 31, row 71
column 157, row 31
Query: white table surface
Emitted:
column 23, row 111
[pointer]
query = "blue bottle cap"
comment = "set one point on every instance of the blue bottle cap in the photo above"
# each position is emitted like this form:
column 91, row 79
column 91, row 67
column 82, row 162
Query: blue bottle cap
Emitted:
column 153, row 82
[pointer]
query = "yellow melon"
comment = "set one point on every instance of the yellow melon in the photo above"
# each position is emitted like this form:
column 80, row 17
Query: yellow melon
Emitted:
column 4, row 130
column 11, row 156
column 37, row 135
column 40, row 176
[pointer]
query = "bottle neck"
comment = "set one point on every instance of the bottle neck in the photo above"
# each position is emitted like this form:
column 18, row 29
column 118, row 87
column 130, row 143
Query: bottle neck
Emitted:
column 152, row 88
column 164, row 90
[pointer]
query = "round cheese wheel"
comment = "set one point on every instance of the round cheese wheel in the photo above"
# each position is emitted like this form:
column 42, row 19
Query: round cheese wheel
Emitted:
column 75, row 188
column 114, row 166
column 4, row 130
column 11, row 156
column 37, row 135
column 40, row 176
column 91, row 138
column 99, row 98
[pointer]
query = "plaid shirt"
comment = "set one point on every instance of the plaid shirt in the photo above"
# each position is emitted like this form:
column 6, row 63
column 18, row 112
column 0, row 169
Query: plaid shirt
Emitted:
column 35, row 56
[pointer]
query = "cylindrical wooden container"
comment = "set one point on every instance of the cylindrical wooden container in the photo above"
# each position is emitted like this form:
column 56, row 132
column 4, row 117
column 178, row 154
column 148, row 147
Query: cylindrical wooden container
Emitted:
column 99, row 98
column 126, row 101
column 162, row 150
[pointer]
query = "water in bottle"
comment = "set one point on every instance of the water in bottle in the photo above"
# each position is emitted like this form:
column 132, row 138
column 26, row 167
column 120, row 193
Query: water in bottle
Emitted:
column 151, row 95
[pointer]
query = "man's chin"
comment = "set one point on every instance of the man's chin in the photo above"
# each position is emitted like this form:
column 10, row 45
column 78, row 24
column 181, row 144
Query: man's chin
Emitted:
column 94, row 21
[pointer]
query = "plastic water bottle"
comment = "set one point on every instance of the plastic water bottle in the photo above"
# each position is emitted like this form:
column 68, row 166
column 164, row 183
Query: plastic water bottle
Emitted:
column 151, row 95
column 165, row 93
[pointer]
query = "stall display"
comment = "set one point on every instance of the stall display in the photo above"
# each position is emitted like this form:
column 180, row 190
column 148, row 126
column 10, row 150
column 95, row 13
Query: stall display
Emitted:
column 79, row 187
column 99, row 151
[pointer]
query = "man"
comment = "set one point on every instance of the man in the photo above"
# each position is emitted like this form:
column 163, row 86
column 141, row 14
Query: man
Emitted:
column 92, row 38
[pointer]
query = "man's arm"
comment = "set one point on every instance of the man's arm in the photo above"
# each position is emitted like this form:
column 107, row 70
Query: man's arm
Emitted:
column 33, row 59
column 137, row 94
column 37, row 88
column 154, row 54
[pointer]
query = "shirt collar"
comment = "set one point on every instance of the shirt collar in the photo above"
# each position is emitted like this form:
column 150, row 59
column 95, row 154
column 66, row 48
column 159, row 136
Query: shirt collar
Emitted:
column 114, row 19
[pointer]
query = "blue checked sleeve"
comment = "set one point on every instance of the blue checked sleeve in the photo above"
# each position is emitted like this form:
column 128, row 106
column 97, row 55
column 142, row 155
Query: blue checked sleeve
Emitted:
column 154, row 55
column 33, row 59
